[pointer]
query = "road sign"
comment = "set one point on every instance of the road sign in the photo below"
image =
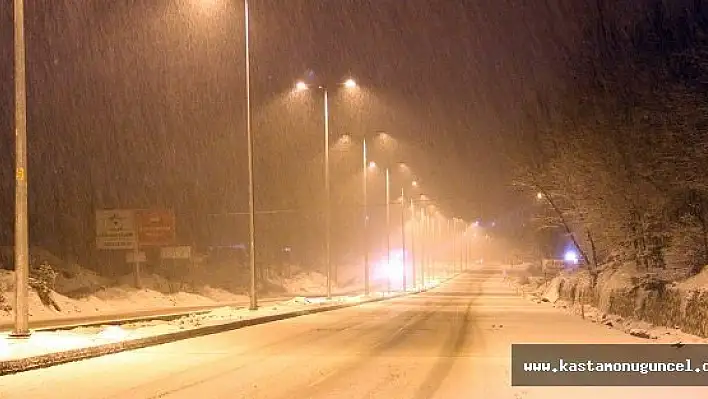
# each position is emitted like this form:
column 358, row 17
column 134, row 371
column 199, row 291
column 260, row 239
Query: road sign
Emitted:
column 115, row 229
column 131, row 256
column 155, row 227
column 183, row 252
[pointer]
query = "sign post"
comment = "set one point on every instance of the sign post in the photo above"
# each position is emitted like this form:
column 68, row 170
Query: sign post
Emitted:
column 180, row 258
column 129, row 229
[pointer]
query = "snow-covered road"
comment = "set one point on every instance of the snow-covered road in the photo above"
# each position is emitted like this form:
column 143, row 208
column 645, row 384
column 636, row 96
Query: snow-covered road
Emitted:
column 451, row 342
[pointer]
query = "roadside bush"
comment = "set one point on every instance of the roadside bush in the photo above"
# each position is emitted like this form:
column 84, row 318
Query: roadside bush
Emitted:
column 42, row 279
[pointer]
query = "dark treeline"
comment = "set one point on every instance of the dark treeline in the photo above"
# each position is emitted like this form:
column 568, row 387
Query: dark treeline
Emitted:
column 618, row 156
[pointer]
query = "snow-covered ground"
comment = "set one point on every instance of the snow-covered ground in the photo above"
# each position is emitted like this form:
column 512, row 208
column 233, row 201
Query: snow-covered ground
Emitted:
column 109, row 300
column 82, row 293
column 548, row 295
column 45, row 342
column 450, row 343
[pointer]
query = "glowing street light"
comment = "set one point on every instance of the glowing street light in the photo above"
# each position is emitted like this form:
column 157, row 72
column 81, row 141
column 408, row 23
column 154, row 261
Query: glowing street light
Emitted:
column 414, row 183
column 539, row 196
column 372, row 165
column 301, row 86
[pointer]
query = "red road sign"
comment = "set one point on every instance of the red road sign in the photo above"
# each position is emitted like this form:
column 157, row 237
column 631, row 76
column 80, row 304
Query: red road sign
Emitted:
column 155, row 227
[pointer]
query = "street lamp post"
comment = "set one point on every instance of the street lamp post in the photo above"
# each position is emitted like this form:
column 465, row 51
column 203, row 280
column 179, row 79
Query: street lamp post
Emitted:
column 414, row 232
column 423, row 242
column 21, row 328
column 460, row 246
column 432, row 254
column 463, row 245
column 328, row 217
column 467, row 249
column 366, row 221
column 251, row 187
column 388, row 226
column 433, row 247
column 403, row 240
column 451, row 235
column 437, row 238
column 456, row 247
column 328, row 255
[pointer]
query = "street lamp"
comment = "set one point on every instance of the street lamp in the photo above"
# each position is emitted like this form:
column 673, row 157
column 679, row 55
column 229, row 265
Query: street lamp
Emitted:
column 349, row 83
column 403, row 235
column 251, row 187
column 366, row 165
column 404, row 283
column 423, row 243
column 388, row 222
column 21, row 328
column 458, row 247
column 414, row 231
column 451, row 237
column 365, row 168
column 388, row 226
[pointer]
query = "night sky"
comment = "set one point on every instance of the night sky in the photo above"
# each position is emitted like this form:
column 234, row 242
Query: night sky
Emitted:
column 143, row 106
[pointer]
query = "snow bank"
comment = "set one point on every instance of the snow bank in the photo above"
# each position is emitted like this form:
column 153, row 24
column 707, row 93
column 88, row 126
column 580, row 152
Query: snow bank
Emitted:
column 111, row 300
column 632, row 294
column 79, row 291
column 307, row 282
column 76, row 280
column 697, row 282
column 41, row 343
column 149, row 281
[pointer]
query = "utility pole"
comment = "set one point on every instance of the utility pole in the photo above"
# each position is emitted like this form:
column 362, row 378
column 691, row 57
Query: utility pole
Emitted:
column 21, row 328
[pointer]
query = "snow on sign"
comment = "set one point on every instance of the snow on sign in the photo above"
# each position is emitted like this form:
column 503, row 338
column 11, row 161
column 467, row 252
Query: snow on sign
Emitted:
column 183, row 252
column 155, row 227
column 115, row 229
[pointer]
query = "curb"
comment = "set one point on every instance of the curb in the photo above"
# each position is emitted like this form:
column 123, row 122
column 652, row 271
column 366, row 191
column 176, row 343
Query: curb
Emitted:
column 52, row 359
column 159, row 317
